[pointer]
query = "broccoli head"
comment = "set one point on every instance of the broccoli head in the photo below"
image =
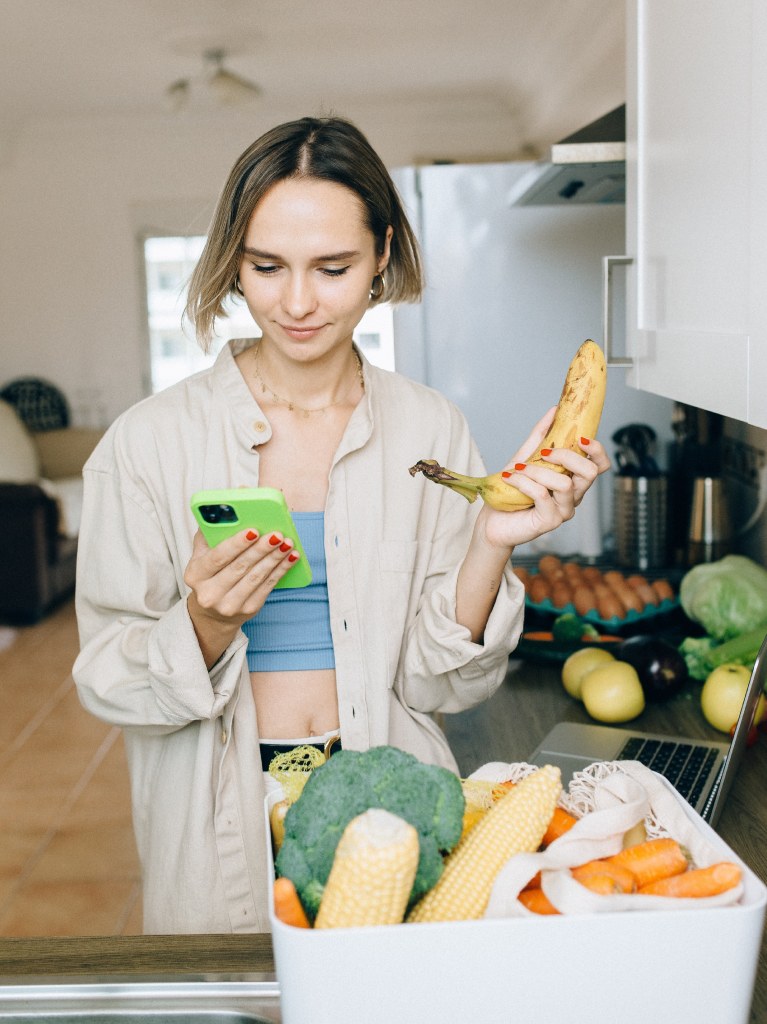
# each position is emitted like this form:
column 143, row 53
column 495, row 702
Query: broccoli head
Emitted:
column 569, row 628
column 696, row 652
column 350, row 782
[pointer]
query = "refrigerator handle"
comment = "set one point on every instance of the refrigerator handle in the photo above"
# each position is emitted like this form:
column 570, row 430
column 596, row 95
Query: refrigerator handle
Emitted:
column 608, row 262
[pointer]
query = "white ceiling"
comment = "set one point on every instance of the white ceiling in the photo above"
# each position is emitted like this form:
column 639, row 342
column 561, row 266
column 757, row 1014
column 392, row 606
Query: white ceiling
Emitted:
column 545, row 66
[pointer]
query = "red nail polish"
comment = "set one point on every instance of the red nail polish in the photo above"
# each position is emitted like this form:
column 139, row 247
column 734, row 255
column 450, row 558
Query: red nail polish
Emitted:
column 519, row 466
column 274, row 540
column 293, row 557
column 251, row 535
column 546, row 451
column 285, row 546
column 585, row 440
column 505, row 474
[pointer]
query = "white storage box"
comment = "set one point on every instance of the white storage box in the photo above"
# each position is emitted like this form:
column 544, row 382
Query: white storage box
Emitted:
column 687, row 966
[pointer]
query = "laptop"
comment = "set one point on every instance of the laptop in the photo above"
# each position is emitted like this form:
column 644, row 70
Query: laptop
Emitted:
column 702, row 771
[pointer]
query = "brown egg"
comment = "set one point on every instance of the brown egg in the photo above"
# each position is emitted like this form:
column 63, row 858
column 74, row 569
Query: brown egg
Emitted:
column 613, row 576
column 550, row 566
column 591, row 574
column 627, row 596
column 643, row 589
column 608, row 605
column 584, row 599
column 523, row 576
column 561, row 594
column 539, row 589
column 663, row 590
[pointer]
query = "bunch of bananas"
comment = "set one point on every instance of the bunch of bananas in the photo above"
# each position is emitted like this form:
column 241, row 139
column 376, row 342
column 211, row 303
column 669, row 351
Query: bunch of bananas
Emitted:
column 578, row 413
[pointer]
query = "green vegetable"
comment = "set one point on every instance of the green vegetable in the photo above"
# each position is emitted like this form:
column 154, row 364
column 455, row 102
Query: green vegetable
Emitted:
column 570, row 627
column 695, row 651
column 704, row 654
column 727, row 598
column 429, row 797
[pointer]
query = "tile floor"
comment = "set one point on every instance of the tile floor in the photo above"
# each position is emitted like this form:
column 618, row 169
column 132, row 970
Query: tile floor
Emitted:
column 68, row 863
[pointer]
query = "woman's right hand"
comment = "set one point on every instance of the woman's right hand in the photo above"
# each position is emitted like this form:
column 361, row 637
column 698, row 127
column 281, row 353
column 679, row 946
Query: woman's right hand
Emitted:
column 230, row 582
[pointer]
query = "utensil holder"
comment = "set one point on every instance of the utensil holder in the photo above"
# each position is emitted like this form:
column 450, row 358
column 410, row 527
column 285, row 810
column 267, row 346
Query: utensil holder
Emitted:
column 640, row 521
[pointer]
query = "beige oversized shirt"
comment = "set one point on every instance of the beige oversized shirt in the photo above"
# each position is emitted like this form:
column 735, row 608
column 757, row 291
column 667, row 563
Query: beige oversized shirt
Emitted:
column 393, row 545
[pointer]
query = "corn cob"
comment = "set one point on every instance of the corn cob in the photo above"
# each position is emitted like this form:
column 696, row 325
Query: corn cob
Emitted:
column 515, row 824
column 372, row 873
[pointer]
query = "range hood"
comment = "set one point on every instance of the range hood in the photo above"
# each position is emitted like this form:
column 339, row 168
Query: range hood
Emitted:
column 587, row 167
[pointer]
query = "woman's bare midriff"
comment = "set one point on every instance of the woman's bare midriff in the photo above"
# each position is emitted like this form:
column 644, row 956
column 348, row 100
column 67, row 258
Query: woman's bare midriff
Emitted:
column 290, row 705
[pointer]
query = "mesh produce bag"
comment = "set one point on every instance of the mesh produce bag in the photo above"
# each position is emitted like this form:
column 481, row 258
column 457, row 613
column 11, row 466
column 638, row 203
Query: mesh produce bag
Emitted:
column 609, row 798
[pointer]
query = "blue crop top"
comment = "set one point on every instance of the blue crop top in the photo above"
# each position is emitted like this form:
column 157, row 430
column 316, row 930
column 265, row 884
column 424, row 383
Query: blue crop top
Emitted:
column 292, row 630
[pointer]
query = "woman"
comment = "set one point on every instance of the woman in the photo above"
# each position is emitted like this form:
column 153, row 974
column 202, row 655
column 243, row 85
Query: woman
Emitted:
column 414, row 607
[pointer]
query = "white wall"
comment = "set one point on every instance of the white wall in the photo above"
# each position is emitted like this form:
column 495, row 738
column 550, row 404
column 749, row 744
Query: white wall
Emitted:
column 77, row 193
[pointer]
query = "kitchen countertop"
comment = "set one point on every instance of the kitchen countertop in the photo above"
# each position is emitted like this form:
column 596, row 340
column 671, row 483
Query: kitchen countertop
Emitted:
column 506, row 728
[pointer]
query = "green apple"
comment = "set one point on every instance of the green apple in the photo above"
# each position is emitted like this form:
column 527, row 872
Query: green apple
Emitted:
column 722, row 696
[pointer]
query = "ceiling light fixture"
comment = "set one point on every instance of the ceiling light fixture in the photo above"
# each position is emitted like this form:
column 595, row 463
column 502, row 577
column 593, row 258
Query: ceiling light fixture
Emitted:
column 224, row 87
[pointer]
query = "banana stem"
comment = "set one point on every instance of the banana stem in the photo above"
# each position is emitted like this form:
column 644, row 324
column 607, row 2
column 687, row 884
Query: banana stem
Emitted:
column 468, row 486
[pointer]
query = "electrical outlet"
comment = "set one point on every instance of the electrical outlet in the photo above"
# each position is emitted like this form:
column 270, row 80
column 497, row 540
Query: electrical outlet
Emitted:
column 743, row 462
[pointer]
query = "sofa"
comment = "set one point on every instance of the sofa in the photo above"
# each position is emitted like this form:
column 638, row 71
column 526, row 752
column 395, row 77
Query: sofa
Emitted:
column 40, row 505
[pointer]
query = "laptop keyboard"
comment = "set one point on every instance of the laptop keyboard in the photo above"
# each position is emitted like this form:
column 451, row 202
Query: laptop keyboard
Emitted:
column 686, row 766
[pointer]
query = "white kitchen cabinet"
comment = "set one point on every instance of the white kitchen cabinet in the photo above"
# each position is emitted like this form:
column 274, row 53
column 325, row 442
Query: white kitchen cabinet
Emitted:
column 697, row 203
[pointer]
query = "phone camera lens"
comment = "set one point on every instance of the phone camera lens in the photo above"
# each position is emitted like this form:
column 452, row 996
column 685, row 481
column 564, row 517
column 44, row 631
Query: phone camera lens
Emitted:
column 218, row 514
column 209, row 513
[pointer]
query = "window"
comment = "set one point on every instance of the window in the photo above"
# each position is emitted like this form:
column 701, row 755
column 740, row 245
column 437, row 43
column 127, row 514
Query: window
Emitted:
column 173, row 350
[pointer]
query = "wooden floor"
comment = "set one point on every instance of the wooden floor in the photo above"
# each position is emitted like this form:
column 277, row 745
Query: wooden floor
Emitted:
column 68, row 863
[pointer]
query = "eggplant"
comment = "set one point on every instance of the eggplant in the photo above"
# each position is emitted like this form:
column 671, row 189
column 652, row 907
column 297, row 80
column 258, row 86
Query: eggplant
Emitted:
column 661, row 668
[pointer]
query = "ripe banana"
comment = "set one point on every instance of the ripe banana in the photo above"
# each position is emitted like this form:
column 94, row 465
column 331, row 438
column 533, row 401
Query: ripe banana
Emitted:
column 578, row 414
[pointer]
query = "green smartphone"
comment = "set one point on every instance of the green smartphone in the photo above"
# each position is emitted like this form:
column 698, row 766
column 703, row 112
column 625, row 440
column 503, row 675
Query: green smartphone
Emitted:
column 221, row 514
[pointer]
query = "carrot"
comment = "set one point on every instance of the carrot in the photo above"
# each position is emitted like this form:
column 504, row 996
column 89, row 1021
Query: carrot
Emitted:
column 534, row 883
column 538, row 635
column 652, row 860
column 603, row 885
column 561, row 822
column 537, row 901
column 696, row 882
column 287, row 906
column 604, row 876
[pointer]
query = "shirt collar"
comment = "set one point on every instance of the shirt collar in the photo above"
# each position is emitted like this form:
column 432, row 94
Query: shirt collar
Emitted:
column 238, row 398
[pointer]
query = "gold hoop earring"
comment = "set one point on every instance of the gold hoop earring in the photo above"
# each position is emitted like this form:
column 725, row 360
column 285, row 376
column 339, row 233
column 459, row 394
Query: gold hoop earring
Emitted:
column 376, row 294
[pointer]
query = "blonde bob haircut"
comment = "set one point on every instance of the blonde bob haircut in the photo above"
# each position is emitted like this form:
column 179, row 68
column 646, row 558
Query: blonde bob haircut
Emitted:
column 330, row 149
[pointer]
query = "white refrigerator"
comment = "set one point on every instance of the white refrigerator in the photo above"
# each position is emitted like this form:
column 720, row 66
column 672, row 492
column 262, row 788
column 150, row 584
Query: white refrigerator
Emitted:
column 511, row 293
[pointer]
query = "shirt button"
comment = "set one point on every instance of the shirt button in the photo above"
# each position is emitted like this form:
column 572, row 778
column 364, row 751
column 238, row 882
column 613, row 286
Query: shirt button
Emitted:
column 260, row 426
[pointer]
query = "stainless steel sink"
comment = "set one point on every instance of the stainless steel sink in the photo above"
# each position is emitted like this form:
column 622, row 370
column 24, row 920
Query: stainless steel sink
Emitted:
column 146, row 1002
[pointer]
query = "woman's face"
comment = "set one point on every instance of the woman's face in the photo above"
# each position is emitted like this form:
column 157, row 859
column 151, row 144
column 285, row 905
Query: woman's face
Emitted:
column 308, row 263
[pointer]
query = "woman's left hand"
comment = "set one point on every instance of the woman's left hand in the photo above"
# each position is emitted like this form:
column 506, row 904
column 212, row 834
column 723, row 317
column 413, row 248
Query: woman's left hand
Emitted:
column 555, row 495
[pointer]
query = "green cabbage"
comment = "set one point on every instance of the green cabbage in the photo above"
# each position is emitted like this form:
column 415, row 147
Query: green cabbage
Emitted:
column 727, row 598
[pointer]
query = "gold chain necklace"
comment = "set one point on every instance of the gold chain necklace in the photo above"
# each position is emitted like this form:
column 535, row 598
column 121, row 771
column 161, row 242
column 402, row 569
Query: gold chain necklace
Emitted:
column 293, row 406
